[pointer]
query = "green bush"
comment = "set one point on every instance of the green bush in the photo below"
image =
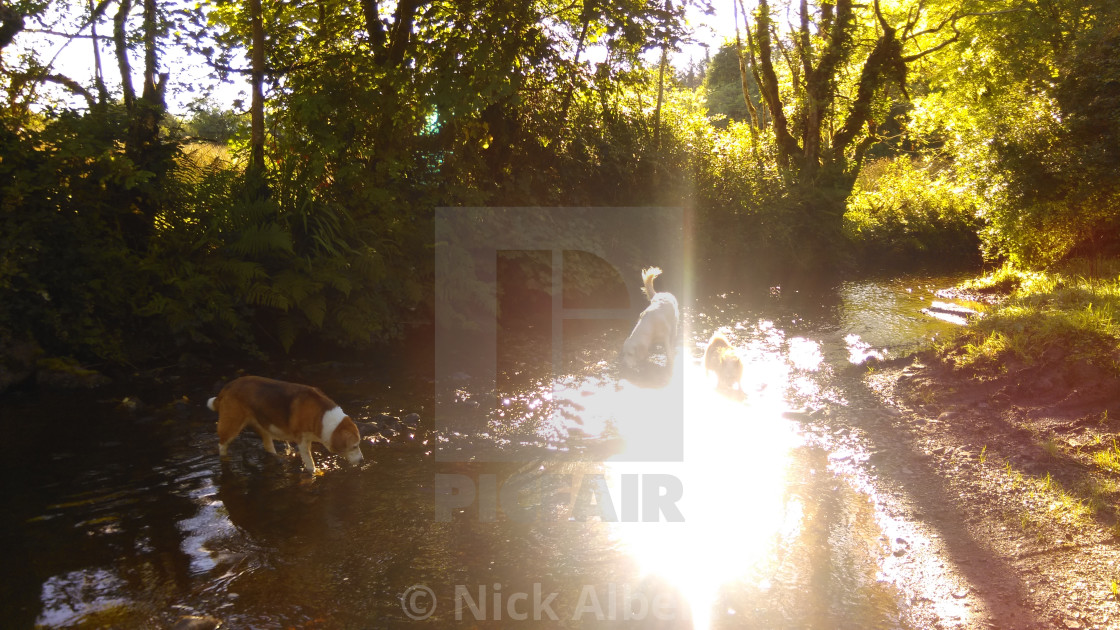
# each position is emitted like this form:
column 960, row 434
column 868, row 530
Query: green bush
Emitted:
column 907, row 213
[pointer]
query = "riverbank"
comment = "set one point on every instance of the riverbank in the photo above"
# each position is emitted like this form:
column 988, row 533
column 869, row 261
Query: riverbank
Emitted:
column 1017, row 418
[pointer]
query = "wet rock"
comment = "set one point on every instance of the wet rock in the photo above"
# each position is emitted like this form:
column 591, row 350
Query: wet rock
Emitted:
column 412, row 421
column 131, row 405
column 195, row 622
column 66, row 373
column 947, row 415
column 17, row 360
column 366, row 429
column 385, row 419
column 179, row 408
column 941, row 309
column 899, row 547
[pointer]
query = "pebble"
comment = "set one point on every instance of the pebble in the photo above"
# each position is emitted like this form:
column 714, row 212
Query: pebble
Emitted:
column 194, row 622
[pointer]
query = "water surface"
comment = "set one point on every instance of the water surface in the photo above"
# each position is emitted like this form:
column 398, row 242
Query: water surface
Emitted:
column 131, row 520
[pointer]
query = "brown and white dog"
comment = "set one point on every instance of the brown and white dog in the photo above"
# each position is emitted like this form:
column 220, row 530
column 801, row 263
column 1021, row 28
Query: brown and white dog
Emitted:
column 291, row 412
column 656, row 325
column 721, row 358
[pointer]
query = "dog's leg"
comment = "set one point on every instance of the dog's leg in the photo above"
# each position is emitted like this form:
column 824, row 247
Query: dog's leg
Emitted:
column 670, row 350
column 229, row 427
column 305, row 454
column 269, row 445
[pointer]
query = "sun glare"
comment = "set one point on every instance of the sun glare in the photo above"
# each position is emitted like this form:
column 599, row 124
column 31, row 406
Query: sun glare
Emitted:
column 736, row 454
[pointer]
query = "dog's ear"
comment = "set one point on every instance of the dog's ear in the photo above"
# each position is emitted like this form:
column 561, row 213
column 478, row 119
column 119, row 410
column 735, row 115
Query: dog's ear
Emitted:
column 345, row 436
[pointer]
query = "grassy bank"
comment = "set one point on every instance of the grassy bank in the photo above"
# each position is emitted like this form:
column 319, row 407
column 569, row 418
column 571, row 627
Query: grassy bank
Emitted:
column 1035, row 380
column 1063, row 320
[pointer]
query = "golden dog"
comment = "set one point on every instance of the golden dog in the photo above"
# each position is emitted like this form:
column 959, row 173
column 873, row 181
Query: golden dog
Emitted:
column 721, row 358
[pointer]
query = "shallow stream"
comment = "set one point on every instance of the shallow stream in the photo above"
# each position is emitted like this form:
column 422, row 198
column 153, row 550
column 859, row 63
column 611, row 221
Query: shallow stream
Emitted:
column 130, row 519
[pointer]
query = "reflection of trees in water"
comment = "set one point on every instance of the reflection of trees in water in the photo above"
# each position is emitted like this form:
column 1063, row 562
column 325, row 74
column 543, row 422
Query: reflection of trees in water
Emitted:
column 101, row 527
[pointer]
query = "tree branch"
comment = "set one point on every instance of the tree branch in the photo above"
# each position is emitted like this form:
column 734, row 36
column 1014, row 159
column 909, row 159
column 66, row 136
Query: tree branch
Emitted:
column 11, row 23
column 374, row 27
column 806, row 44
column 403, row 19
column 73, row 86
column 53, row 33
column 919, row 55
column 787, row 144
column 885, row 60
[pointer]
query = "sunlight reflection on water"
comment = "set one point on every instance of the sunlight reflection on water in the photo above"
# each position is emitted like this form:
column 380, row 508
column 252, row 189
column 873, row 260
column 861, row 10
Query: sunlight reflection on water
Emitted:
column 736, row 452
column 734, row 478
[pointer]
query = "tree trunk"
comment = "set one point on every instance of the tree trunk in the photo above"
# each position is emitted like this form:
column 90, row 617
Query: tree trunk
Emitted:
column 121, row 43
column 374, row 26
column 743, row 77
column 788, row 148
column 403, row 18
column 661, row 76
column 660, row 96
column 11, row 23
column 570, row 92
column 142, row 143
column 98, row 75
column 255, row 171
column 150, row 107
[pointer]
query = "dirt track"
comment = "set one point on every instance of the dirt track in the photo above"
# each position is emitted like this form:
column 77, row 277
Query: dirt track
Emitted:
column 1015, row 521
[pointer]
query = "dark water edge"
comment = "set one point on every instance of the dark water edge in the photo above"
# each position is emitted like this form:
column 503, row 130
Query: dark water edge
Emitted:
column 120, row 518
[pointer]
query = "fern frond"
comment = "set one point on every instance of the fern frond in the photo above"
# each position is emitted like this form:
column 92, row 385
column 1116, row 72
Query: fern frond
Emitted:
column 315, row 308
column 263, row 294
column 238, row 273
column 262, row 239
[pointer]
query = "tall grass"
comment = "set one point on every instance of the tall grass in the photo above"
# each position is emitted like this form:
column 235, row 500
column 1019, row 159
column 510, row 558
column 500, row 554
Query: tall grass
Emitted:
column 1056, row 318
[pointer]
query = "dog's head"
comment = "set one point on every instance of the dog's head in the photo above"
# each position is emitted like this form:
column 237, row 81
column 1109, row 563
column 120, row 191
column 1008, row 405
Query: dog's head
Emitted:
column 632, row 355
column 346, row 441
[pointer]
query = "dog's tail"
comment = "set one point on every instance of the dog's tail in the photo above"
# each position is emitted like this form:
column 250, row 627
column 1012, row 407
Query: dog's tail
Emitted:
column 648, row 276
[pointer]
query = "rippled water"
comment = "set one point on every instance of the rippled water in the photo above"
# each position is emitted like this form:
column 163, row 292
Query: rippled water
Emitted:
column 119, row 520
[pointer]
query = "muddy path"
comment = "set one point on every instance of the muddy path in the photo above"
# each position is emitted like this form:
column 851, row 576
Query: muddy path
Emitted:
column 1014, row 459
column 820, row 497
